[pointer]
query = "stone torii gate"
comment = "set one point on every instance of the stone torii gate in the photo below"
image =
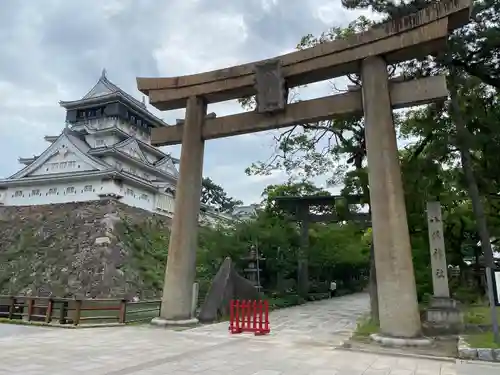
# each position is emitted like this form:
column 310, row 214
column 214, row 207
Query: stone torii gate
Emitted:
column 300, row 209
column 367, row 54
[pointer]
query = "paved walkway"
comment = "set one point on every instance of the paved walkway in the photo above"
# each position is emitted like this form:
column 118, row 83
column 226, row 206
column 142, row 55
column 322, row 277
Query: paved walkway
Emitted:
column 295, row 347
column 18, row 330
column 321, row 323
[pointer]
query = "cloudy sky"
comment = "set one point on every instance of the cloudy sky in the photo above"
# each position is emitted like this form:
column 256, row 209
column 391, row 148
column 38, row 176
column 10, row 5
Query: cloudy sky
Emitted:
column 55, row 50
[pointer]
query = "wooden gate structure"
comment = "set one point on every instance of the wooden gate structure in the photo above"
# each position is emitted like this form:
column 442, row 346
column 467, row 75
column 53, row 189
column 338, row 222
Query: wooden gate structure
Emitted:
column 368, row 54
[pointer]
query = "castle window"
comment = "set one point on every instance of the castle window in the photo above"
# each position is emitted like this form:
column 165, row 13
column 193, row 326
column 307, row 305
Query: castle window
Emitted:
column 87, row 188
column 70, row 190
column 99, row 142
column 54, row 166
column 63, row 165
column 52, row 191
column 71, row 164
column 18, row 193
column 144, row 197
column 35, row 192
column 130, row 192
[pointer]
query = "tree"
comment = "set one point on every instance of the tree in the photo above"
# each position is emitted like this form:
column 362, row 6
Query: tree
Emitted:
column 337, row 251
column 214, row 195
column 432, row 159
column 474, row 47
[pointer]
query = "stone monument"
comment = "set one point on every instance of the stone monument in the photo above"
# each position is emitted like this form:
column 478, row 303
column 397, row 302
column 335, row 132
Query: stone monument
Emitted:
column 443, row 315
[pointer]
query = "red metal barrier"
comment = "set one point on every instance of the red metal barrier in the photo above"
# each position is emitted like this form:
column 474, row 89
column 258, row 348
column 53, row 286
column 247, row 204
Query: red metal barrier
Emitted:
column 249, row 316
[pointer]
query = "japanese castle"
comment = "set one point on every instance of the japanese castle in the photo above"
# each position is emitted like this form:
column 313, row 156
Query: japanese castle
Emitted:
column 104, row 152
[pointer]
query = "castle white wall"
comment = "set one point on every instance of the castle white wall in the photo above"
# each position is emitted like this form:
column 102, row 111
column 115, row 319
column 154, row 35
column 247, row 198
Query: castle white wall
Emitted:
column 141, row 134
column 137, row 197
column 95, row 189
column 63, row 192
column 90, row 190
column 101, row 140
column 131, row 168
column 165, row 203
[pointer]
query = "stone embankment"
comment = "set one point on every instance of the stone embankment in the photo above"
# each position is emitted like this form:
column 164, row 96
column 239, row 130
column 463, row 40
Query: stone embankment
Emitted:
column 74, row 249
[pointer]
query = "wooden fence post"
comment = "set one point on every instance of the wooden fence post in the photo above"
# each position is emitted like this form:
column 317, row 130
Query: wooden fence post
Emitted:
column 63, row 312
column 31, row 302
column 123, row 311
column 12, row 307
column 48, row 312
column 78, row 311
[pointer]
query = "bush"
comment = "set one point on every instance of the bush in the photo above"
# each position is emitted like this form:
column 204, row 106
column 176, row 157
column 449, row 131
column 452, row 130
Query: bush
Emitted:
column 466, row 295
column 366, row 327
column 288, row 300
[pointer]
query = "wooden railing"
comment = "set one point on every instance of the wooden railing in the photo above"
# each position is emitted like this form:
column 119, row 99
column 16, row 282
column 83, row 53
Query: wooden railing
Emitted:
column 65, row 311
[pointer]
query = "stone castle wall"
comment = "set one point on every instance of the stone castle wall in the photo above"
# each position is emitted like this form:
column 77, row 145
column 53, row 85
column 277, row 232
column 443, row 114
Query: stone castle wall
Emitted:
column 71, row 249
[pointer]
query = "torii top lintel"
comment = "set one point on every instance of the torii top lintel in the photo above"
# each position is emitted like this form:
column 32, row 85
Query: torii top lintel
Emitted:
column 415, row 35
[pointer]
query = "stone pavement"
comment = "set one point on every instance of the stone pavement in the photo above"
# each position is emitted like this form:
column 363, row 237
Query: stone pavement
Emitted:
column 294, row 348
column 16, row 330
column 327, row 322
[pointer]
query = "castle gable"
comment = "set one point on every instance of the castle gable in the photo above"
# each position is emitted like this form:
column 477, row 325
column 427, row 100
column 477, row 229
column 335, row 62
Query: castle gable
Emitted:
column 63, row 161
column 65, row 155
column 131, row 148
column 167, row 165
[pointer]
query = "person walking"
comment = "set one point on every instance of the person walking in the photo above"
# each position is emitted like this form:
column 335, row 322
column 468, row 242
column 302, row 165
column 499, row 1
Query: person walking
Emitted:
column 333, row 288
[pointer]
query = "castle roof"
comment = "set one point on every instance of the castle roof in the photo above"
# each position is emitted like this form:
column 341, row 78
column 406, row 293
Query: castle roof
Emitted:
column 105, row 91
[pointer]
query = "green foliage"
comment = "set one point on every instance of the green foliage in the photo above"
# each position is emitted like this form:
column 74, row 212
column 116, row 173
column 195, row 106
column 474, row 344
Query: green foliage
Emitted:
column 365, row 328
column 479, row 315
column 336, row 251
column 148, row 244
column 434, row 159
column 214, row 195
column 285, row 301
column 482, row 340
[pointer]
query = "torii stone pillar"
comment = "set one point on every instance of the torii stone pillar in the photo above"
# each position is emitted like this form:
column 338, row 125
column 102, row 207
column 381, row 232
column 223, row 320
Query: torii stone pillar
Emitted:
column 397, row 295
column 176, row 307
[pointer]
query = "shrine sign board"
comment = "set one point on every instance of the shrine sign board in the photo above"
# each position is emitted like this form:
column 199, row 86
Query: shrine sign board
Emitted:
column 496, row 285
column 270, row 86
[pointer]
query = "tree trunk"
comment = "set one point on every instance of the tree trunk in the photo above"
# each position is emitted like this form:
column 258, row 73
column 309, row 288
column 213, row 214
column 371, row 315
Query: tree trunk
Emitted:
column 463, row 136
column 466, row 160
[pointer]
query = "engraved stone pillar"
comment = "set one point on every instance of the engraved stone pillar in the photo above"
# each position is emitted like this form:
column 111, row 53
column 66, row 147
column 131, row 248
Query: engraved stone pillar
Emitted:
column 398, row 307
column 438, row 254
column 443, row 316
column 176, row 305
